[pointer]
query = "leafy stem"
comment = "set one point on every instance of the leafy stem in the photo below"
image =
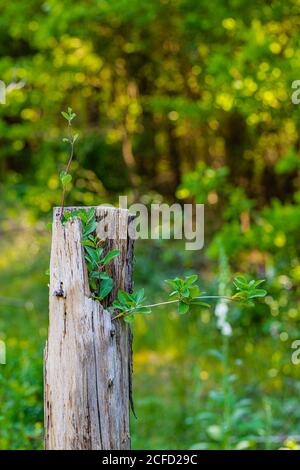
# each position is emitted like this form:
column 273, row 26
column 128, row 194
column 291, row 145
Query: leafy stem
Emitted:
column 168, row 302
column 186, row 294
column 65, row 177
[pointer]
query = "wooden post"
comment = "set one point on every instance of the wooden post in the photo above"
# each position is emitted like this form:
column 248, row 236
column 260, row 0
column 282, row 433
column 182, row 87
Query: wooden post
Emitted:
column 87, row 364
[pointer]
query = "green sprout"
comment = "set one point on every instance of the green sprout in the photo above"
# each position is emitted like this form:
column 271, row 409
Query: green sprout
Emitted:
column 65, row 177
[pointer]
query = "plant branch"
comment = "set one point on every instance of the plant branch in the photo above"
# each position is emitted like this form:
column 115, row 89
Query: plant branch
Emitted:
column 71, row 140
column 203, row 297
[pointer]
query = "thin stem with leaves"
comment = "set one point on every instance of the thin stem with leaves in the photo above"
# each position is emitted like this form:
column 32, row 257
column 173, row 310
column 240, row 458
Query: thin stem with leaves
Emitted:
column 186, row 294
column 65, row 177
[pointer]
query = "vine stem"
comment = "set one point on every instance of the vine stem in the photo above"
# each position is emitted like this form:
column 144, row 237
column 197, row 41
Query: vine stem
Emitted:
column 203, row 297
column 67, row 171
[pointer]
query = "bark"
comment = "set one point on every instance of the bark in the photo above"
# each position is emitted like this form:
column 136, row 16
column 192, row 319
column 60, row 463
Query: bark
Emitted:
column 87, row 364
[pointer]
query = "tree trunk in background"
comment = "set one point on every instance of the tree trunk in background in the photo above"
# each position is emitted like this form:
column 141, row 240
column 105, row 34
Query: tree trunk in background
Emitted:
column 87, row 356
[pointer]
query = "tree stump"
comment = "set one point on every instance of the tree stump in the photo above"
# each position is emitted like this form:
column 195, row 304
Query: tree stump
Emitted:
column 87, row 363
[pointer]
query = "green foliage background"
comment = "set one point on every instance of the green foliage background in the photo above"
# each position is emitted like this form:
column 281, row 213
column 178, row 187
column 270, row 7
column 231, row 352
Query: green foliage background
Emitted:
column 177, row 100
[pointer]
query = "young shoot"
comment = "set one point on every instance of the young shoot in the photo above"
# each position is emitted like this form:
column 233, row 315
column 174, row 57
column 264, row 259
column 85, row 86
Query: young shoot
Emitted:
column 185, row 293
column 65, row 176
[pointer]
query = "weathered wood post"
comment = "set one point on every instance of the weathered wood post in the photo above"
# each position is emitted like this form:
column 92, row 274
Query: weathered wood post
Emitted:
column 87, row 366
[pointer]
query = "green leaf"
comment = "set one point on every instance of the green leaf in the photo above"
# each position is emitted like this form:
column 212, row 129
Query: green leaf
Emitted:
column 257, row 293
column 90, row 228
column 105, row 287
column 124, row 297
column 104, row 276
column 65, row 178
column 92, row 256
column 88, row 259
column 98, row 275
column 129, row 318
column 185, row 292
column 248, row 290
column 183, row 308
column 143, row 310
column 87, row 243
column 82, row 215
column 139, row 296
column 92, row 284
column 173, row 283
column 90, row 215
column 240, row 282
column 191, row 279
column 92, row 253
column 109, row 256
column 175, row 292
column 194, row 291
column 67, row 215
column 65, row 115
column 99, row 252
column 200, row 304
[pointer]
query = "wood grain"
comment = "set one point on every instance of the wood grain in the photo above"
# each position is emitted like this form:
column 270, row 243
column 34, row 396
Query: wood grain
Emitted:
column 87, row 364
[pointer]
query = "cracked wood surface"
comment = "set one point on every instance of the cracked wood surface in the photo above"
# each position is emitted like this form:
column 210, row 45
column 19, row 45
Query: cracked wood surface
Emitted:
column 87, row 364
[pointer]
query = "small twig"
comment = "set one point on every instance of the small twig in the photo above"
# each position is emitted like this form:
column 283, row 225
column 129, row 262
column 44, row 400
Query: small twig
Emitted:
column 69, row 116
column 67, row 171
column 130, row 311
